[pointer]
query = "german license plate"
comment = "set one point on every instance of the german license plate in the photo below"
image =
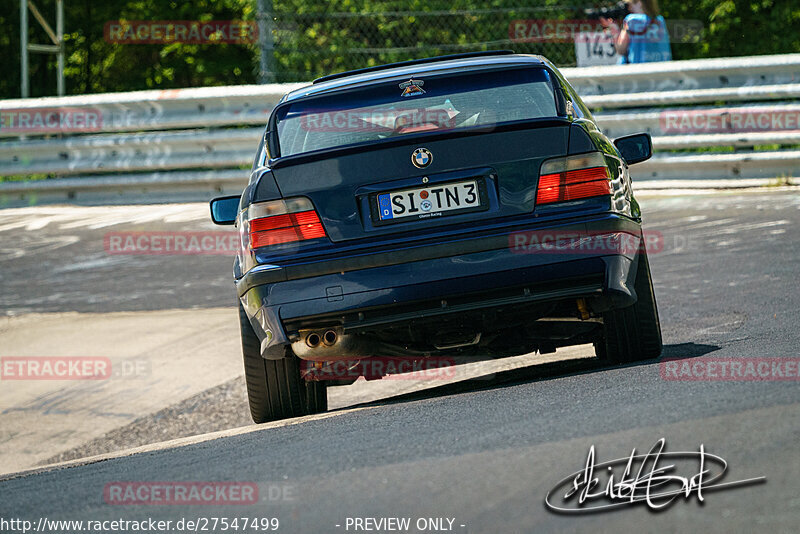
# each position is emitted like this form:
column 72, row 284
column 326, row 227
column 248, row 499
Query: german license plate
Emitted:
column 430, row 201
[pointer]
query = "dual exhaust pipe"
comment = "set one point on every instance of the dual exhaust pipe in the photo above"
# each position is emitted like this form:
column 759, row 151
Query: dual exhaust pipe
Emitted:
column 332, row 344
column 327, row 338
column 328, row 344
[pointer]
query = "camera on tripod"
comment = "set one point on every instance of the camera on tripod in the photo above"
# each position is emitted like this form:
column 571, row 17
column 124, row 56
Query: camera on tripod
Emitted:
column 616, row 12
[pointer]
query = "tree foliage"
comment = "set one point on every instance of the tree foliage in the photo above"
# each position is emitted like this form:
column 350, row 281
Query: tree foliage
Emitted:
column 316, row 37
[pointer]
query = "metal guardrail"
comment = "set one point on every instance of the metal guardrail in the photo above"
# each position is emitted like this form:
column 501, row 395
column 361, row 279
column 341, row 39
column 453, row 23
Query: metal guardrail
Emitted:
column 695, row 75
column 203, row 107
column 128, row 152
column 143, row 139
column 655, row 121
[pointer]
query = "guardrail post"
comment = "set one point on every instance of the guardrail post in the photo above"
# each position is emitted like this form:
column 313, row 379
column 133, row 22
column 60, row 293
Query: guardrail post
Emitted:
column 23, row 44
column 265, row 42
column 60, row 39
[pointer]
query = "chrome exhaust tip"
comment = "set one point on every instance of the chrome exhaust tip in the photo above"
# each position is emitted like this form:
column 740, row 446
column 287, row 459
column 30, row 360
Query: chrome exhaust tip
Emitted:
column 313, row 340
column 329, row 337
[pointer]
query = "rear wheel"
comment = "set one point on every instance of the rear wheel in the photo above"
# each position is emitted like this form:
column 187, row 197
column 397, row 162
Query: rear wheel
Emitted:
column 633, row 333
column 275, row 388
column 316, row 396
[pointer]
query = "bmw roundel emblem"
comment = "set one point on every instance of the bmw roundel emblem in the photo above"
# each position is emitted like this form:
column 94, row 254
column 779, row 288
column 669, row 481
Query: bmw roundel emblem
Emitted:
column 421, row 158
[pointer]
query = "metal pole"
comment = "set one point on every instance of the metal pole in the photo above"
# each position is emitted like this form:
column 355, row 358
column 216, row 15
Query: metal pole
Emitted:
column 60, row 38
column 265, row 42
column 23, row 43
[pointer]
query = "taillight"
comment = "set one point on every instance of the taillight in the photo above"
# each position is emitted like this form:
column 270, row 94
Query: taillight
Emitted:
column 572, row 178
column 280, row 221
column 285, row 229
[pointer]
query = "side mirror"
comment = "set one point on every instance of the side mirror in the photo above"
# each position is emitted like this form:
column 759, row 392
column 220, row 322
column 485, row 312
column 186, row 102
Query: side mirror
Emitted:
column 635, row 148
column 225, row 209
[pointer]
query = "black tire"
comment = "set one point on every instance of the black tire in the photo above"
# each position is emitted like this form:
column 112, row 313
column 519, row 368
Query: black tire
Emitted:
column 275, row 388
column 634, row 333
column 316, row 397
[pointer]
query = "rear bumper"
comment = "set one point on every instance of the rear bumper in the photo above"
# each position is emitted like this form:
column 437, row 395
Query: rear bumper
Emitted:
column 433, row 280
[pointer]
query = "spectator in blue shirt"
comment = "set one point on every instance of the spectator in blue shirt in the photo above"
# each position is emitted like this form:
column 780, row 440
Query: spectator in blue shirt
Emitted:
column 643, row 37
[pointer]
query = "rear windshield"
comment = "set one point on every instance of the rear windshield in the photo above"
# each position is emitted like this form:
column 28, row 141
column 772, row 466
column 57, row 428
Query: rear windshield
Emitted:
column 418, row 104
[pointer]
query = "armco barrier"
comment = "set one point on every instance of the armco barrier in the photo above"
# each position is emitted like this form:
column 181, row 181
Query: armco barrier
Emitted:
column 206, row 137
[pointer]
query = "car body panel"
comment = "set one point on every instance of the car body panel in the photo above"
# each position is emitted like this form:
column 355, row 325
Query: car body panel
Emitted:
column 459, row 269
column 499, row 62
column 337, row 186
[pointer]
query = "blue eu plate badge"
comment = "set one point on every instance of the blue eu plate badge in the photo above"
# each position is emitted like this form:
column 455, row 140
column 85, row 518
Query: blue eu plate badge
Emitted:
column 385, row 206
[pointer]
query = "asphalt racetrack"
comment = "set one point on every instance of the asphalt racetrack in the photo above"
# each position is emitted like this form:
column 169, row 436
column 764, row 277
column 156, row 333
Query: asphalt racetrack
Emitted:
column 467, row 456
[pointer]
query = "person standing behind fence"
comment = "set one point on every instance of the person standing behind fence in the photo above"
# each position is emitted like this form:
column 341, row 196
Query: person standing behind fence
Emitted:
column 643, row 37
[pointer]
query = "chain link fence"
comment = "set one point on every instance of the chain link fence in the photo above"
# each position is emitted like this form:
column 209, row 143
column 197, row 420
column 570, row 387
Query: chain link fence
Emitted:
column 314, row 38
